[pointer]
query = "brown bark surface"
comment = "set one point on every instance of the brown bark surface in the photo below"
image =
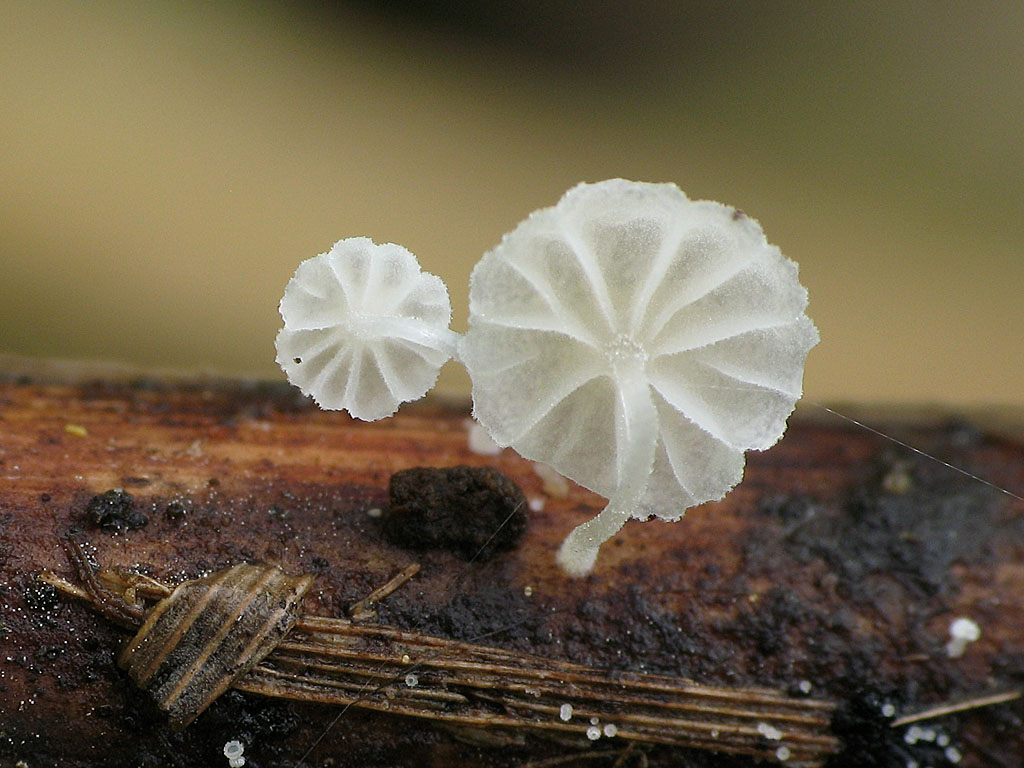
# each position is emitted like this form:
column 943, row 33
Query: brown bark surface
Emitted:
column 839, row 562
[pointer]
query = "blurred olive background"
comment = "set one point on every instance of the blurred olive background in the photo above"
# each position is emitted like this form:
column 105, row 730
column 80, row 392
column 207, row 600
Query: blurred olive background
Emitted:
column 165, row 166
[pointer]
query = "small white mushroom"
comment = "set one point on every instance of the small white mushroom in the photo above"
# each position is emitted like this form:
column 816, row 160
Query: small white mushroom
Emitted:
column 961, row 632
column 233, row 751
column 365, row 330
column 638, row 342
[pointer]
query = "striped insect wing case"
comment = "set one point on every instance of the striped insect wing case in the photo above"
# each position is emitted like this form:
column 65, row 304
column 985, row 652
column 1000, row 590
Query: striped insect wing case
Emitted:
column 208, row 632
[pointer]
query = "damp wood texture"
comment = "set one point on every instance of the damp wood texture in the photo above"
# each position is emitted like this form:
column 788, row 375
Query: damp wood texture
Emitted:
column 829, row 578
column 233, row 628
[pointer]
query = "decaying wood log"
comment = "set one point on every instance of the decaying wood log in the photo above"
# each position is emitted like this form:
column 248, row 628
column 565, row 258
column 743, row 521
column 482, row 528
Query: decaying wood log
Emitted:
column 186, row 652
column 831, row 574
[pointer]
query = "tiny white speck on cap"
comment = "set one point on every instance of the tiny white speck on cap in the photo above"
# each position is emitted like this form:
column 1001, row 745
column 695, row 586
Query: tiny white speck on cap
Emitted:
column 565, row 712
column 593, row 733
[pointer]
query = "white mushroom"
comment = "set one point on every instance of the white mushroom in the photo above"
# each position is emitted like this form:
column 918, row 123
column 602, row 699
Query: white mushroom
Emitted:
column 962, row 632
column 634, row 340
column 638, row 342
column 364, row 329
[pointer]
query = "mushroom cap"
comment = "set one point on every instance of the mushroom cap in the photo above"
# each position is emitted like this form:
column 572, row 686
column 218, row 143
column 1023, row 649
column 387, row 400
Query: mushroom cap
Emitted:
column 364, row 328
column 623, row 281
column 964, row 629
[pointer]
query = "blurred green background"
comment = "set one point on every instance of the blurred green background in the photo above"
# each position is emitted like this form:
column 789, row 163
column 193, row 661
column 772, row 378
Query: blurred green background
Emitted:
column 165, row 166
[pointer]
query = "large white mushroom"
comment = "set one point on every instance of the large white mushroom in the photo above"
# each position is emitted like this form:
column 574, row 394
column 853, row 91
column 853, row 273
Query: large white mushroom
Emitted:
column 638, row 342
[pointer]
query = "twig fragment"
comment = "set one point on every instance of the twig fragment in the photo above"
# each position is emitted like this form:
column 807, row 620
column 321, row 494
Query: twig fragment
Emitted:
column 360, row 609
column 959, row 706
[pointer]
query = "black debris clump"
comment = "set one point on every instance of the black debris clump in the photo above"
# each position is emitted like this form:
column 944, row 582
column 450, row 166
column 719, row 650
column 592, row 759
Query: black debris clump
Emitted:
column 40, row 596
column 176, row 510
column 868, row 738
column 115, row 511
column 476, row 512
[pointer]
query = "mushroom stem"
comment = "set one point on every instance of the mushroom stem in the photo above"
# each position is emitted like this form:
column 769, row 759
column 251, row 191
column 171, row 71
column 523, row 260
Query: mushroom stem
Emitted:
column 637, row 435
column 578, row 552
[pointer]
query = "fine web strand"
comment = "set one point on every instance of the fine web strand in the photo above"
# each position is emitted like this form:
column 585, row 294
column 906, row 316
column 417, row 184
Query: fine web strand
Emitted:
column 919, row 452
column 902, row 444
